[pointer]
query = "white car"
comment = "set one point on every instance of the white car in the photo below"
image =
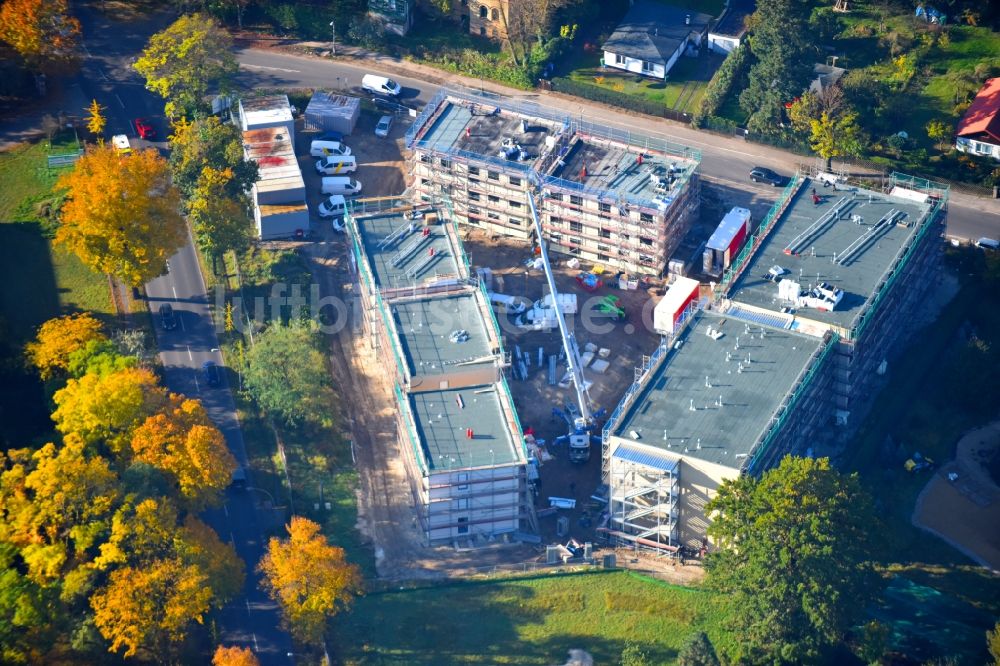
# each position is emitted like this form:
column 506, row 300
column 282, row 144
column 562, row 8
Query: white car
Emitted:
column 383, row 126
column 333, row 206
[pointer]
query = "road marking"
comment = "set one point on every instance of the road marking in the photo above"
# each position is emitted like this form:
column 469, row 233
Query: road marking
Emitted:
column 174, row 289
column 252, row 633
column 225, row 510
column 271, row 69
column 119, row 100
column 181, row 320
column 190, row 355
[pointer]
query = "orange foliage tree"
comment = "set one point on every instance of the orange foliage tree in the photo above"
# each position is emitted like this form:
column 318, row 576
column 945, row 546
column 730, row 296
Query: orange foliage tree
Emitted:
column 58, row 338
column 309, row 578
column 121, row 214
column 41, row 31
column 182, row 442
column 234, row 656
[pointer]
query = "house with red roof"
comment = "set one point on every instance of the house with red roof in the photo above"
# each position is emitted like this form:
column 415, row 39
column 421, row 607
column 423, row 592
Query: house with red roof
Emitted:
column 978, row 132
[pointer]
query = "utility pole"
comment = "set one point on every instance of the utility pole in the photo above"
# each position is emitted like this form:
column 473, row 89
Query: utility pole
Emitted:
column 333, row 41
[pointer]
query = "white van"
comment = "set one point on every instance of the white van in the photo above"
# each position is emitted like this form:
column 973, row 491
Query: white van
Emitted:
column 323, row 147
column 341, row 185
column 505, row 304
column 988, row 243
column 567, row 303
column 334, row 206
column 380, row 85
column 334, row 165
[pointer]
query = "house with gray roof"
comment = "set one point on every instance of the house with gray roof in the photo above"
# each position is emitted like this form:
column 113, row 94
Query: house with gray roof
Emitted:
column 652, row 36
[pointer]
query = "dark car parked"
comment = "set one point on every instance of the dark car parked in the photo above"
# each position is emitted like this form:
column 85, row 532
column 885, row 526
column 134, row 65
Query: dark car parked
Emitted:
column 765, row 175
column 168, row 320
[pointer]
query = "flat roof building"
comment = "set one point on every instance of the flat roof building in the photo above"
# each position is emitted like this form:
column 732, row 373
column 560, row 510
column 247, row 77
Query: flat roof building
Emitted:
column 279, row 195
column 606, row 196
column 433, row 329
column 800, row 333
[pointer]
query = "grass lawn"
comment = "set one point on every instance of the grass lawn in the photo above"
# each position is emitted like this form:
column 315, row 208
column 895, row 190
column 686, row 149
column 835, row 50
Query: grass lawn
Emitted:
column 682, row 91
column 931, row 422
column 43, row 281
column 534, row 620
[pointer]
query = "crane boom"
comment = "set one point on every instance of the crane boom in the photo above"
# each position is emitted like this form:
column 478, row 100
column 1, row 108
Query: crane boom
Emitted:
column 568, row 339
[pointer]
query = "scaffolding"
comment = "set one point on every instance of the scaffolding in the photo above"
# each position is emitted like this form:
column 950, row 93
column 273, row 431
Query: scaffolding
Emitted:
column 644, row 495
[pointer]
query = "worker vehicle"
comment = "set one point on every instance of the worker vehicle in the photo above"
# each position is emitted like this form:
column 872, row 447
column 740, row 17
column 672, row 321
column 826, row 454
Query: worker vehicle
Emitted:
column 340, row 185
column 567, row 303
column 325, row 147
column 121, row 144
column 380, row 85
column 333, row 206
column 334, row 165
column 988, row 243
column 505, row 304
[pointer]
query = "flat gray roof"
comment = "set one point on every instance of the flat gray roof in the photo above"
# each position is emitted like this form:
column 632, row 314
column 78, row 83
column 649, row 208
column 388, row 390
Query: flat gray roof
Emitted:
column 701, row 371
column 858, row 273
column 442, row 425
column 615, row 167
column 476, row 128
column 425, row 327
column 400, row 257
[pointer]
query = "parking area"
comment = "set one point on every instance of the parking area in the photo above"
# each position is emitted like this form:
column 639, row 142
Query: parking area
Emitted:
column 380, row 160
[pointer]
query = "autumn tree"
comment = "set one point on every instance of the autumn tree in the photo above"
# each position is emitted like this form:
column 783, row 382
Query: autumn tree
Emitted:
column 938, row 132
column 183, row 443
column 836, row 136
column 234, row 656
column 96, row 120
column 791, row 570
column 208, row 143
column 121, row 214
column 42, row 32
column 286, row 373
column 993, row 643
column 220, row 220
column 185, row 61
column 782, row 61
column 58, row 339
column 98, row 357
column 308, row 578
column 698, row 651
column 108, row 408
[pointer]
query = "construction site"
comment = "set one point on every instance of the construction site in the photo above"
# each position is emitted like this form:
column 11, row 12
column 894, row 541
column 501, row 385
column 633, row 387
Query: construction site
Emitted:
column 431, row 327
column 604, row 195
column 782, row 359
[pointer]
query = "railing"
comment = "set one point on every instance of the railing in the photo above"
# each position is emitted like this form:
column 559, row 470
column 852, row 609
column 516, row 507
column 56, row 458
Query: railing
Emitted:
column 777, row 210
column 788, row 407
column 409, row 425
column 937, row 208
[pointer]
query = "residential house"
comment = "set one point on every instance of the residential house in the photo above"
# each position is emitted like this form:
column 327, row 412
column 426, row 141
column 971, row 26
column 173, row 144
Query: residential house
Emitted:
column 728, row 33
column 979, row 130
column 652, row 36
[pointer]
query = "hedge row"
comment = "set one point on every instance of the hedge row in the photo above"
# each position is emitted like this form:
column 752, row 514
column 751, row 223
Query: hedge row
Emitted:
column 729, row 72
column 621, row 100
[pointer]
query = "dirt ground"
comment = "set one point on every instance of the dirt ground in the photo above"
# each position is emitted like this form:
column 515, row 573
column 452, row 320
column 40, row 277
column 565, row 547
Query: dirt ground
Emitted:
column 966, row 512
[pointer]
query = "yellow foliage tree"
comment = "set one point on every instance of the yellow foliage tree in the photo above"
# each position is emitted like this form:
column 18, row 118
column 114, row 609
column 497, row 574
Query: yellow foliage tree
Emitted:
column 58, row 338
column 41, row 31
column 108, row 407
column 219, row 219
column 121, row 214
column 95, row 119
column 310, row 579
column 198, row 544
column 151, row 606
column 139, row 533
column 183, row 443
column 234, row 656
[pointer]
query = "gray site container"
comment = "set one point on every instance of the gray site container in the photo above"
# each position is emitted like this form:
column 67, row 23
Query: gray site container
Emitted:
column 332, row 112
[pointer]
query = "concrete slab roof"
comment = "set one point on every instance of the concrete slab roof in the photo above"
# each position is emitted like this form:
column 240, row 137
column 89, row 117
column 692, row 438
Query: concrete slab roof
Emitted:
column 618, row 170
column 678, row 409
column 443, row 419
column 401, row 257
column 425, row 328
column 823, row 247
column 477, row 129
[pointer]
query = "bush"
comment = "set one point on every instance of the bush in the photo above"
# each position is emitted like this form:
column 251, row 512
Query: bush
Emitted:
column 367, row 32
column 732, row 70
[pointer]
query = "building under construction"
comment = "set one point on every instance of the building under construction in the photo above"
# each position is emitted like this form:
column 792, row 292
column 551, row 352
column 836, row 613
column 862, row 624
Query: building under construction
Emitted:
column 433, row 330
column 607, row 196
column 785, row 358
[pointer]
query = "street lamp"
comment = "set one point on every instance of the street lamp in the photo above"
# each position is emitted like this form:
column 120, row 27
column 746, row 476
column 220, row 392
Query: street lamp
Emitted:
column 333, row 41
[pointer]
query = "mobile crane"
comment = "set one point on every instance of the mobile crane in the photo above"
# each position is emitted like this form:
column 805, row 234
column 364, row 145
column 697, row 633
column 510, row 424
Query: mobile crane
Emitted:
column 583, row 421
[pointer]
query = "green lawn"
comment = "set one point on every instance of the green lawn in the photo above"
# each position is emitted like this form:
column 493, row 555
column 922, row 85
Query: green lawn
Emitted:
column 533, row 620
column 42, row 281
column 682, row 91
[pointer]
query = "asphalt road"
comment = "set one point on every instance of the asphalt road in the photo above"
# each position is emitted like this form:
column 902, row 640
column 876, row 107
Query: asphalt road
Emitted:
column 252, row 620
column 726, row 161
